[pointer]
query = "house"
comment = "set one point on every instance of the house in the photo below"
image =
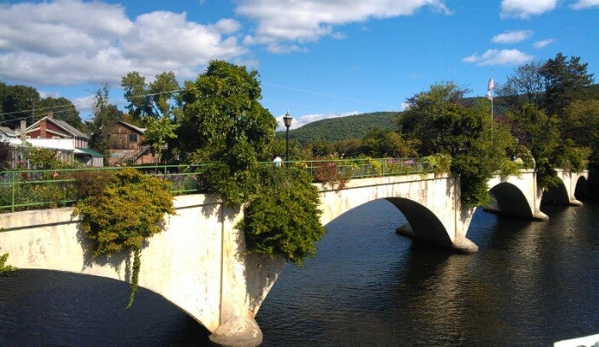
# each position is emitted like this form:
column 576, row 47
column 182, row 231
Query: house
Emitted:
column 126, row 145
column 50, row 128
column 57, row 135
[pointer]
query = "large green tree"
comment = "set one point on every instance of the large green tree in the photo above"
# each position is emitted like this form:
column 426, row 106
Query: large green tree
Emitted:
column 155, row 99
column 225, row 124
column 18, row 102
column 566, row 80
column 524, row 86
column 444, row 123
column 24, row 103
column 63, row 109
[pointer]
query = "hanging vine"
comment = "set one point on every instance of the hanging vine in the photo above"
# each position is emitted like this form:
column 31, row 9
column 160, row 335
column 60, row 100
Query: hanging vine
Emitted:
column 121, row 210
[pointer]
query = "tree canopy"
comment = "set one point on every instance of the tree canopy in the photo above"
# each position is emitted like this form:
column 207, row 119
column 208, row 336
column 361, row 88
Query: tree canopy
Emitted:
column 224, row 123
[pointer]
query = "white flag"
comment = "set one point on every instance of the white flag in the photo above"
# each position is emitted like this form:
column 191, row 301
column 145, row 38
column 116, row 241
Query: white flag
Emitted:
column 490, row 88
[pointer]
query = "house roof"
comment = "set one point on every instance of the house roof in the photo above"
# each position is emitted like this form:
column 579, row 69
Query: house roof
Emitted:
column 88, row 151
column 8, row 132
column 61, row 124
column 133, row 127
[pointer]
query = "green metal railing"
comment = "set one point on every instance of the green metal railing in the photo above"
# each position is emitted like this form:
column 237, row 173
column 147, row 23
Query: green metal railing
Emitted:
column 362, row 168
column 36, row 189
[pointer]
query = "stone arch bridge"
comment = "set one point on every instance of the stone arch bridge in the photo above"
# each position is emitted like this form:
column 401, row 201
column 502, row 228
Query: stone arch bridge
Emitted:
column 198, row 263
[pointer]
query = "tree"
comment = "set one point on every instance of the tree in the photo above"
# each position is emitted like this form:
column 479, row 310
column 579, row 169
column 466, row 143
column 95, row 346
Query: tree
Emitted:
column 431, row 119
column 565, row 81
column 104, row 116
column 385, row 143
column 444, row 123
column 5, row 155
column 224, row 123
column 158, row 132
column 63, row 109
column 151, row 100
column 526, row 85
column 581, row 122
column 18, row 102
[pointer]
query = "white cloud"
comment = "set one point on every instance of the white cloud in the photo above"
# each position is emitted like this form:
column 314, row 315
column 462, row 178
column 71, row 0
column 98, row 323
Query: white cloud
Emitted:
column 542, row 43
column 281, row 21
column 526, row 8
column 582, row 4
column 499, row 57
column 66, row 42
column 512, row 36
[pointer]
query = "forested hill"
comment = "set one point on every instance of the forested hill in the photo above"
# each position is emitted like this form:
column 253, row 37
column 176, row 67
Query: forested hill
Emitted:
column 343, row 128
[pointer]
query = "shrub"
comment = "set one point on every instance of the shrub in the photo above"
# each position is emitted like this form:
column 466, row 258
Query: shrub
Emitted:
column 283, row 219
column 120, row 211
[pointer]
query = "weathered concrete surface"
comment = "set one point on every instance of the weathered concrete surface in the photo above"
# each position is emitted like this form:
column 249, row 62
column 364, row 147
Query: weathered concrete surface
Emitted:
column 197, row 263
column 430, row 203
column 238, row 332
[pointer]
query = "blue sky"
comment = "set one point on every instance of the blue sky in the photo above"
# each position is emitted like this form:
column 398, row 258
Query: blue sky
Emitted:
column 316, row 59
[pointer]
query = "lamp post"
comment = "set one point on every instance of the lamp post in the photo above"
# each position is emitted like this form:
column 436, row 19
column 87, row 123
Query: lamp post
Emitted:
column 287, row 120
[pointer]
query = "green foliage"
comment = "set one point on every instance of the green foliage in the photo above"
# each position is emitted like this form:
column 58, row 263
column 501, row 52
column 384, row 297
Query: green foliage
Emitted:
column 128, row 208
column 566, row 80
column 581, row 122
column 105, row 115
column 283, row 219
column 386, row 143
column 158, row 132
column 474, row 174
column 151, row 100
column 3, row 267
column 5, row 155
column 225, row 124
column 440, row 120
column 438, row 163
column 342, row 128
column 546, row 174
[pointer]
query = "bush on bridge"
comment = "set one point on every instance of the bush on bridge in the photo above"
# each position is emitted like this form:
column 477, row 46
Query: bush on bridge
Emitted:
column 3, row 267
column 120, row 211
column 283, row 218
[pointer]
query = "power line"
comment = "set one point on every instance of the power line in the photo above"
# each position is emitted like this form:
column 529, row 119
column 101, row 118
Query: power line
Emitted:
column 65, row 107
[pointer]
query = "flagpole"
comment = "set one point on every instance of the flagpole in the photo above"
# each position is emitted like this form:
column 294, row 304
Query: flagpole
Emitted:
column 490, row 88
column 492, row 108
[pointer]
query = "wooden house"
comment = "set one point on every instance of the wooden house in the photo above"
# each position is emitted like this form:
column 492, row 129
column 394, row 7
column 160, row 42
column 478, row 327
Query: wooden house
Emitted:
column 126, row 145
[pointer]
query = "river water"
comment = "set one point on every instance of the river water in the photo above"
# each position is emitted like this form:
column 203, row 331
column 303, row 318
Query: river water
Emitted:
column 530, row 284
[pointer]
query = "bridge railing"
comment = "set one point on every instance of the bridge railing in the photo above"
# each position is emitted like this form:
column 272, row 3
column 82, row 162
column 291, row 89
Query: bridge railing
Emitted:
column 36, row 189
column 362, row 168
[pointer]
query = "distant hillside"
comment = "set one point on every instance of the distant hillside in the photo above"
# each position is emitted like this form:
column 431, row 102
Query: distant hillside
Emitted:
column 342, row 128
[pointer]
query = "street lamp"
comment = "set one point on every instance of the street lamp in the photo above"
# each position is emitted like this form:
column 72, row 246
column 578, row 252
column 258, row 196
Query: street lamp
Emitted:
column 287, row 120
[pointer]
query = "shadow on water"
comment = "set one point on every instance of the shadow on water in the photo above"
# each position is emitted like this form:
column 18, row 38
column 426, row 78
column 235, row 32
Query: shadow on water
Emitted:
column 530, row 284
column 51, row 308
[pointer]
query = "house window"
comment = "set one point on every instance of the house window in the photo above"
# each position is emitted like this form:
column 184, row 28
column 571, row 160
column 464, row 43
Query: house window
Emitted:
column 132, row 137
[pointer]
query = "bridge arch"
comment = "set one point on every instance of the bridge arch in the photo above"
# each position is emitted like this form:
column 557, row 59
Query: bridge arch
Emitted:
column 423, row 223
column 510, row 201
column 571, row 185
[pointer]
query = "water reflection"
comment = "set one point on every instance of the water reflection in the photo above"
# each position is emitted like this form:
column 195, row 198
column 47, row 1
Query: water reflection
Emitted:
column 531, row 283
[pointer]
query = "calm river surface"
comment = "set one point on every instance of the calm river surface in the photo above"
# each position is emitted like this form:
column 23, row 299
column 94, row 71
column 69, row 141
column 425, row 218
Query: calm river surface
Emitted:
column 530, row 284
